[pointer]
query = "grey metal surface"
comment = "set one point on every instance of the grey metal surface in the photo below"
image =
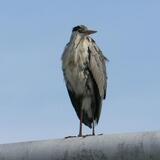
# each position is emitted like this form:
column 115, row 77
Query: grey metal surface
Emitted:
column 132, row 146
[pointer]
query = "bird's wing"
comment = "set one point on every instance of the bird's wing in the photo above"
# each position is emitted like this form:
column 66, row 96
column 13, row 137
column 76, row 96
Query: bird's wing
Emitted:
column 97, row 67
column 76, row 100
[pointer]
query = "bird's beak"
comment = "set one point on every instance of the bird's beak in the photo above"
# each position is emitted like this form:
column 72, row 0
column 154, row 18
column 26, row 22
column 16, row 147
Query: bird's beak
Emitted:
column 88, row 32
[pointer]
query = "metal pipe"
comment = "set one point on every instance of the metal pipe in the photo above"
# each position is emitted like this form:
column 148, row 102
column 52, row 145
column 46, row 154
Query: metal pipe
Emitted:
column 132, row 146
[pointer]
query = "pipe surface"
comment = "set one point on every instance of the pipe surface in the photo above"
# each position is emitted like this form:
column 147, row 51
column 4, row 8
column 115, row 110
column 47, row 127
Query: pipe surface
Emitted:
column 132, row 146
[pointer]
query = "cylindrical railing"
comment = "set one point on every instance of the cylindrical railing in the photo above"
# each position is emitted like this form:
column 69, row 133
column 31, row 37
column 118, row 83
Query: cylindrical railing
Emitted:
column 132, row 146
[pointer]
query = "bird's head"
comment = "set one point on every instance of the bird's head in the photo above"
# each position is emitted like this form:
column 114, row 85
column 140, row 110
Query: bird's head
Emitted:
column 82, row 30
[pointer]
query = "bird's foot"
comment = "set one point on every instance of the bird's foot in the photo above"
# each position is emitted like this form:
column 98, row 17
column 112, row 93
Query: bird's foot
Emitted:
column 83, row 136
column 87, row 135
column 70, row 137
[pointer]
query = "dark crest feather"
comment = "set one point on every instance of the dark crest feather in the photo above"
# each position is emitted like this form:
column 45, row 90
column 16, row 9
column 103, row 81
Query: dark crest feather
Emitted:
column 79, row 27
column 76, row 28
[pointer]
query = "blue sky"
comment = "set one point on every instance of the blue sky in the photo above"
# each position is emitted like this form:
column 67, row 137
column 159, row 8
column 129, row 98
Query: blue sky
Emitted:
column 33, row 99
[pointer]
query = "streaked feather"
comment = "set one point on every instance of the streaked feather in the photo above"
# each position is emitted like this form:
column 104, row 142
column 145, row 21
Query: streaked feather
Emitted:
column 85, row 75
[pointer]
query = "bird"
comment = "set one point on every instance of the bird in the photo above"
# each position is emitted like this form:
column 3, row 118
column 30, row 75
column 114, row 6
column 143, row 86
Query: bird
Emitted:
column 85, row 76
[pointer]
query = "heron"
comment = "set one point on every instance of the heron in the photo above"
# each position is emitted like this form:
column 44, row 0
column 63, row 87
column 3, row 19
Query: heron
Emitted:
column 84, row 70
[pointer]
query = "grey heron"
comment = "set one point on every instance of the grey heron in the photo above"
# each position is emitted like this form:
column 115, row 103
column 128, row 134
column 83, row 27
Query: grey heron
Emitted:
column 84, row 69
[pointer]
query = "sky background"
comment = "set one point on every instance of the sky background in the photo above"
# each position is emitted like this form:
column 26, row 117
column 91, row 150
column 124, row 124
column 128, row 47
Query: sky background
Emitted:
column 34, row 103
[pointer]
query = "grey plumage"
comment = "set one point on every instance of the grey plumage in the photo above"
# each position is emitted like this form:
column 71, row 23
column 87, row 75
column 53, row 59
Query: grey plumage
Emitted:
column 84, row 70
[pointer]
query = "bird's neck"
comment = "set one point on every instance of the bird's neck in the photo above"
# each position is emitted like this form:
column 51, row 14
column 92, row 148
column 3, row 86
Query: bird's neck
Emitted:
column 76, row 39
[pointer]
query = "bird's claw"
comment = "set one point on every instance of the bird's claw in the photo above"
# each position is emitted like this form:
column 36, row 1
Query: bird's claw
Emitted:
column 83, row 136
column 69, row 137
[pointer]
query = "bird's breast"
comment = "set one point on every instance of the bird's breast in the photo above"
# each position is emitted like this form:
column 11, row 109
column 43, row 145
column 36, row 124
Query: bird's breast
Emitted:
column 75, row 70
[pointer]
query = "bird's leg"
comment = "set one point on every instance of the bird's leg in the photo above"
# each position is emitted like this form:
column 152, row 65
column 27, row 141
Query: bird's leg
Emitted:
column 80, row 128
column 93, row 128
